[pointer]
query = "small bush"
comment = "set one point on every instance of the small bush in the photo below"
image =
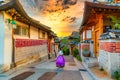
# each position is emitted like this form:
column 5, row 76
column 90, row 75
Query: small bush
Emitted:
column 79, row 58
column 75, row 52
column 66, row 50
column 101, row 69
column 117, row 75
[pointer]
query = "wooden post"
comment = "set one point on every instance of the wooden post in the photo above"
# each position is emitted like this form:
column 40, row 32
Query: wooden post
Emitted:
column 13, row 50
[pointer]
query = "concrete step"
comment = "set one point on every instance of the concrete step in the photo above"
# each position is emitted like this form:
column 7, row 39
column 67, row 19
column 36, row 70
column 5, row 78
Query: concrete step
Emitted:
column 91, row 62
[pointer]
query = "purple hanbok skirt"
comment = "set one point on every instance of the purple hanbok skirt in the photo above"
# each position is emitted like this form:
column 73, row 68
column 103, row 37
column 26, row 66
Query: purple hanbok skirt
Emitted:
column 60, row 61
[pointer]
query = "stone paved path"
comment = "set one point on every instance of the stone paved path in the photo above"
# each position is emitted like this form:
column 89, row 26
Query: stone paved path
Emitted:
column 70, row 71
column 68, row 75
column 42, row 70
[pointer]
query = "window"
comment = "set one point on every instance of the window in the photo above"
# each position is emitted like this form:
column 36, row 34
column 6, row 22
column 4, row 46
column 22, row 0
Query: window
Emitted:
column 88, row 34
column 43, row 34
column 17, row 31
column 22, row 31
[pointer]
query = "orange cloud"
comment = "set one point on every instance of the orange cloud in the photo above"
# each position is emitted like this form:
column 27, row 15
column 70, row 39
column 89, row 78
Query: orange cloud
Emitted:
column 63, row 16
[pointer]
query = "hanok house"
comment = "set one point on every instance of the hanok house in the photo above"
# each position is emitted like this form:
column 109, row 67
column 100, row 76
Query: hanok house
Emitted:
column 23, row 40
column 96, row 23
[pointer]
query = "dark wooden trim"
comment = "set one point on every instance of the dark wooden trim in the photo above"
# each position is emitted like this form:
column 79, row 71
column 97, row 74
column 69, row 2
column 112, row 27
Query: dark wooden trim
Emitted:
column 13, row 50
column 15, row 4
column 88, row 39
column 98, row 8
column 29, row 30
column 38, row 33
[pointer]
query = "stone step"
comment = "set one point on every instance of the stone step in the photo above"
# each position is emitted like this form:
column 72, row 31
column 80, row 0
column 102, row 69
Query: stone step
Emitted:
column 91, row 62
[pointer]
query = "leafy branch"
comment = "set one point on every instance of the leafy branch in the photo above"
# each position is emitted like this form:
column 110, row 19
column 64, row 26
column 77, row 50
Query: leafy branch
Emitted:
column 115, row 22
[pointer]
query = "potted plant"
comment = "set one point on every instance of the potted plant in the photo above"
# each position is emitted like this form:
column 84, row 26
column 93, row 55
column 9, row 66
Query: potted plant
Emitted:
column 86, row 52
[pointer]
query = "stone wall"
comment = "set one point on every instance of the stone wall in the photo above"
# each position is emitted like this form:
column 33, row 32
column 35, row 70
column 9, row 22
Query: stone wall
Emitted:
column 109, row 55
column 30, row 50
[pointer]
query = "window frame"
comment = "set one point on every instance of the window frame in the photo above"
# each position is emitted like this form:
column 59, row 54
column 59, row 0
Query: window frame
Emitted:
column 21, row 33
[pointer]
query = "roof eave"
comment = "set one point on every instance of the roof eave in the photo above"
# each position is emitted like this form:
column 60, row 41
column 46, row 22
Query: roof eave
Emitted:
column 18, row 7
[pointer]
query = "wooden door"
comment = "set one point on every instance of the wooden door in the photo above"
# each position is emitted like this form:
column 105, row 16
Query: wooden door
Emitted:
column 96, row 44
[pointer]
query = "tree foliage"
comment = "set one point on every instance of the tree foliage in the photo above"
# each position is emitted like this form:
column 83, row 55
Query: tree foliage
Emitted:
column 115, row 22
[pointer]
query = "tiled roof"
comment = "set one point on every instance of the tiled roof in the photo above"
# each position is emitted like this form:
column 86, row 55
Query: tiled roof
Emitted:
column 90, row 5
column 15, row 4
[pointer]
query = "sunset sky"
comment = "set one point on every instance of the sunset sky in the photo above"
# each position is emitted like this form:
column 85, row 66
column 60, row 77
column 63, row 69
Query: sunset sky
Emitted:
column 63, row 16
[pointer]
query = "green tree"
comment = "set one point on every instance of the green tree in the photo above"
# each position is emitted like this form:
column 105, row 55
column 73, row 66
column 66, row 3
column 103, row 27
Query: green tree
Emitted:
column 66, row 50
column 115, row 22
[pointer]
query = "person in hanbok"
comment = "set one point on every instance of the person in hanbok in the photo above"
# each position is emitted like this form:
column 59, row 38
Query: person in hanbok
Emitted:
column 60, row 61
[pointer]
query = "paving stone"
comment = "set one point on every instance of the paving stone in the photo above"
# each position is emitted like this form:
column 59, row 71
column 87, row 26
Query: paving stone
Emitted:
column 69, row 59
column 68, row 75
column 70, row 71
column 47, row 76
column 22, row 76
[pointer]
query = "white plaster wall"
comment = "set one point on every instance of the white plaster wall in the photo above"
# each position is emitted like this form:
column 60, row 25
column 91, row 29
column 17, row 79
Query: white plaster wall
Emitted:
column 7, row 43
column 33, row 33
column 41, row 34
column 1, row 40
column 46, row 35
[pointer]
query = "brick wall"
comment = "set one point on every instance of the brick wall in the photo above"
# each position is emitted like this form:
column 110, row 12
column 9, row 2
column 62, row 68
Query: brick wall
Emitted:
column 85, row 45
column 109, row 55
column 113, row 47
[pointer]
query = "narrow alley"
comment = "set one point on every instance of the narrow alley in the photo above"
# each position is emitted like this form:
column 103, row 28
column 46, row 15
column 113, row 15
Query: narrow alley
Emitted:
column 48, row 71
